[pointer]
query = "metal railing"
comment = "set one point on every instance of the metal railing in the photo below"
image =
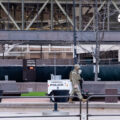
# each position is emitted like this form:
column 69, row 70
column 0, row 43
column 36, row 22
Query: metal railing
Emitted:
column 56, row 107
column 40, row 116
column 99, row 115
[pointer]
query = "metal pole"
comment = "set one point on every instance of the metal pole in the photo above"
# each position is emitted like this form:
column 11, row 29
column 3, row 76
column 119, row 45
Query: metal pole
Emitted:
column 87, row 111
column 108, row 15
column 8, row 24
column 97, row 41
column 51, row 14
column 41, row 51
column 74, row 33
column 55, row 107
column 22, row 14
column 80, row 109
column 80, row 15
column 3, row 51
column 55, row 63
column 94, row 22
column 80, row 23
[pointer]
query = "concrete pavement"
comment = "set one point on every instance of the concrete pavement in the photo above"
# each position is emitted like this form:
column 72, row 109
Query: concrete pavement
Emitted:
column 31, row 107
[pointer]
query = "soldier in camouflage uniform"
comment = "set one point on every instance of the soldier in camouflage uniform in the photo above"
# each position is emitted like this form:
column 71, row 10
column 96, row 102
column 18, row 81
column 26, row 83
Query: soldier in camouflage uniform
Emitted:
column 75, row 78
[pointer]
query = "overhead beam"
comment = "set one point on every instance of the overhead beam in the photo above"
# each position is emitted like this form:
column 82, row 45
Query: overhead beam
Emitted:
column 46, row 37
column 42, row 1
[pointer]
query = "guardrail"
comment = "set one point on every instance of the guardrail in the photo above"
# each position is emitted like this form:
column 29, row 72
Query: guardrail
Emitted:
column 55, row 107
column 100, row 115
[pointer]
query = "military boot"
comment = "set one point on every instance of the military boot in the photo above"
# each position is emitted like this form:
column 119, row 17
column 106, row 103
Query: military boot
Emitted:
column 84, row 100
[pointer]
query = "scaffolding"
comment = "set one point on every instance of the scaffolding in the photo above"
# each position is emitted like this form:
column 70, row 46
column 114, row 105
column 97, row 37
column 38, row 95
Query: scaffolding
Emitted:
column 58, row 15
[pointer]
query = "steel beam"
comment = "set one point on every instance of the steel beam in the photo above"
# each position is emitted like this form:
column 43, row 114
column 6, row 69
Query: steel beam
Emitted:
column 39, row 12
column 47, row 37
column 94, row 16
column 5, row 10
column 61, row 8
column 42, row 1
column 115, row 5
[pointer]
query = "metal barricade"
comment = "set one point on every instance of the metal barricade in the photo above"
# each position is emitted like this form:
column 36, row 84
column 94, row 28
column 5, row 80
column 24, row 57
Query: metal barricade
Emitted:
column 55, row 107
column 99, row 115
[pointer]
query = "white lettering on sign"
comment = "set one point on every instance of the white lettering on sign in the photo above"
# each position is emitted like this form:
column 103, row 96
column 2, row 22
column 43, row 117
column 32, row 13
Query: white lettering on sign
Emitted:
column 56, row 84
column 31, row 63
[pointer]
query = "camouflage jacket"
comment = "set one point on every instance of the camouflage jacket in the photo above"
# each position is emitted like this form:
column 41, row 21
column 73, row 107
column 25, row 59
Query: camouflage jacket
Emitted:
column 75, row 77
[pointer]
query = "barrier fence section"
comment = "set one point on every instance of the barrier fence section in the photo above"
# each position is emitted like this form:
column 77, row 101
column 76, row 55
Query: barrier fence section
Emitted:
column 99, row 115
column 55, row 107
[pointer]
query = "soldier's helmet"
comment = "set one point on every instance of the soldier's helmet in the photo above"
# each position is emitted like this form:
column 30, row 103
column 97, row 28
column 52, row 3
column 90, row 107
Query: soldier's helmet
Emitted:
column 77, row 66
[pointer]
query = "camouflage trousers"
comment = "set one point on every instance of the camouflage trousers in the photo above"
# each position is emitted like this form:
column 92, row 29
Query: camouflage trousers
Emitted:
column 77, row 91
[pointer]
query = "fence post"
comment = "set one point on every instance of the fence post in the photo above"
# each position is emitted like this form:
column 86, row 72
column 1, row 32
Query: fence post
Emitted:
column 87, row 107
column 80, row 109
column 55, row 107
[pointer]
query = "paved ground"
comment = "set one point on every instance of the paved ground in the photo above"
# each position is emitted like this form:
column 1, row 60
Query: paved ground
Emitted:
column 17, row 115
column 26, row 100
column 35, row 107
